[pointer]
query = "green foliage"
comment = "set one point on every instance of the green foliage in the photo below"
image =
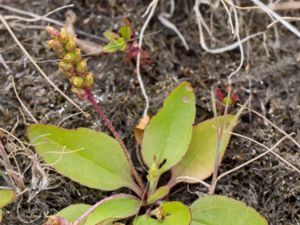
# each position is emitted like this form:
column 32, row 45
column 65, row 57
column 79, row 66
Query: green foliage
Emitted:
column 167, row 213
column 168, row 134
column 199, row 160
column 72, row 212
column 170, row 141
column 158, row 194
column 7, row 196
column 117, row 41
column 125, row 32
column 114, row 208
column 219, row 210
column 91, row 158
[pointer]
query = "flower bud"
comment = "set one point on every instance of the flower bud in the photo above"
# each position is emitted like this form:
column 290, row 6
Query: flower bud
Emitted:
column 63, row 35
column 73, row 57
column 55, row 45
column 65, row 66
column 81, row 67
column 77, row 55
column 57, row 220
column 69, row 57
column 71, row 44
column 79, row 92
column 52, row 32
column 88, row 80
column 77, row 81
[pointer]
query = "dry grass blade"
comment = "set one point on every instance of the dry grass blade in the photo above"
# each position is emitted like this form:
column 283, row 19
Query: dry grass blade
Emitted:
column 252, row 160
column 265, row 147
column 285, row 23
column 21, row 102
column 151, row 9
column 163, row 17
column 272, row 124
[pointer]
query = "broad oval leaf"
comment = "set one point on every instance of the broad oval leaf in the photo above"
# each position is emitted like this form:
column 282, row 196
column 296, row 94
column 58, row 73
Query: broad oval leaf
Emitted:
column 73, row 212
column 199, row 160
column 114, row 208
column 174, row 213
column 168, row 134
column 91, row 158
column 220, row 210
column 7, row 196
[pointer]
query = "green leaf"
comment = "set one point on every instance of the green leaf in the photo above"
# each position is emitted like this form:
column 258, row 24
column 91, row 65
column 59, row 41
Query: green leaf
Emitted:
column 158, row 194
column 198, row 161
column 168, row 134
column 111, row 36
column 122, row 44
column 73, row 212
column 220, row 210
column 111, row 48
column 118, row 45
column 1, row 215
column 86, row 156
column 7, row 196
column 174, row 213
column 114, row 208
column 125, row 32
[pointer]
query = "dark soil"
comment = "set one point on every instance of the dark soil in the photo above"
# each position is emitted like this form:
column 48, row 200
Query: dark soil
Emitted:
column 268, row 185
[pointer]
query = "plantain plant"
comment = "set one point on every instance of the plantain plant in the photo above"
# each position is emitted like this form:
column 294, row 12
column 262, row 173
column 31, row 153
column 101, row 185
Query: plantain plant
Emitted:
column 170, row 143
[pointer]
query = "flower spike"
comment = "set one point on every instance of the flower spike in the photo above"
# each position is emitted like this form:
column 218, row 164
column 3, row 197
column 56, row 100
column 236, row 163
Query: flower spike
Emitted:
column 70, row 61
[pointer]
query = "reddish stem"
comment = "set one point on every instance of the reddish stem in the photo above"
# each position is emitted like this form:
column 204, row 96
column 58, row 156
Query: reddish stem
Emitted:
column 91, row 209
column 98, row 109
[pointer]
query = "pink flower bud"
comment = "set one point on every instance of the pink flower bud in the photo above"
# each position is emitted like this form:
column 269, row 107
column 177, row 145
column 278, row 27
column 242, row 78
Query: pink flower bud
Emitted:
column 57, row 220
column 52, row 32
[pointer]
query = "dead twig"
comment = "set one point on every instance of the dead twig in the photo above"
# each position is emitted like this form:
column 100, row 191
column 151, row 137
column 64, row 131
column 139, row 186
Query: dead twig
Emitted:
column 21, row 102
column 150, row 11
column 252, row 160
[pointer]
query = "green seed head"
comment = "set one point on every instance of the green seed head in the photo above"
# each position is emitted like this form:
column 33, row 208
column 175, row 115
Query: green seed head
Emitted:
column 77, row 55
column 77, row 81
column 89, row 80
column 69, row 57
column 65, row 66
column 63, row 35
column 81, row 67
column 71, row 44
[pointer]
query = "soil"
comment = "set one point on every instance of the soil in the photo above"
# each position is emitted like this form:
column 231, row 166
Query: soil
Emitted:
column 271, row 73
